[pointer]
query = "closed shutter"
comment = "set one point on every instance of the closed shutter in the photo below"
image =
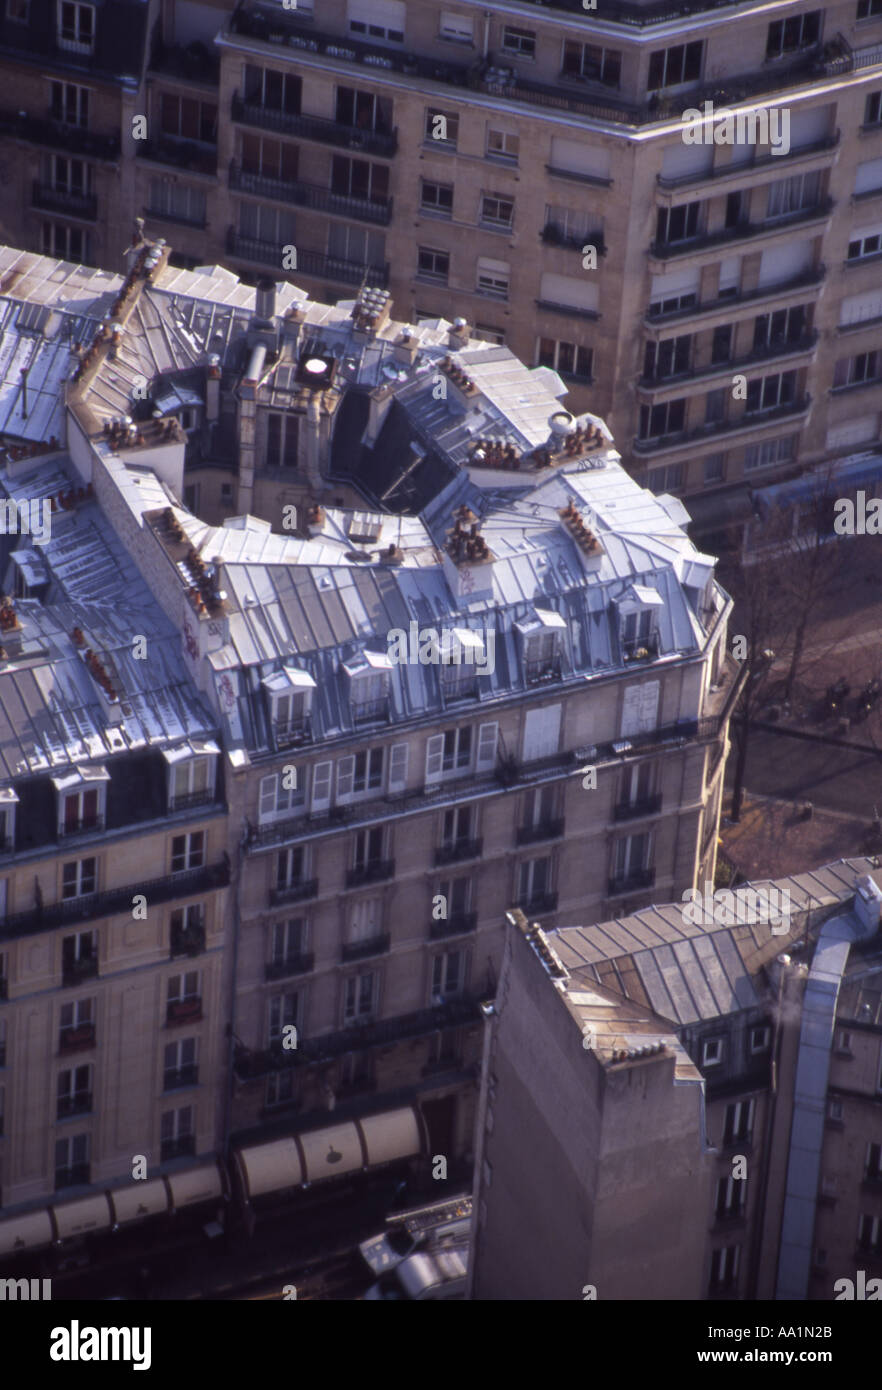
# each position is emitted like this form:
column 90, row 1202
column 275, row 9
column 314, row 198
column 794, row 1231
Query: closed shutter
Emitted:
column 388, row 14
column 807, row 127
column 869, row 176
column 542, row 732
column 857, row 431
column 268, row 786
column 680, row 160
column 730, row 274
column 640, row 708
column 487, row 735
column 574, row 157
column 579, row 293
column 457, row 26
column 861, row 306
column 785, row 262
column 684, row 281
column 321, row 786
column 345, row 775
column 434, row 757
column 397, row 767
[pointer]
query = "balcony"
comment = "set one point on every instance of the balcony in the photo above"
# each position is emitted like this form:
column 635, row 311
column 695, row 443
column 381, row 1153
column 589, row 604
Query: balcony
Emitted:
column 458, row 850
column 538, row 905
column 183, row 1147
column 290, row 733
column 742, row 231
column 180, row 154
column 756, row 166
column 309, row 195
column 456, row 925
column 291, row 965
column 78, row 1039
column 632, row 810
column 269, row 253
column 78, row 1104
column 65, row 201
column 73, row 972
column 91, row 906
column 188, row 800
column 316, row 128
column 176, row 1077
column 294, row 892
column 780, row 347
column 186, row 941
column 754, row 420
column 59, row 135
column 359, row 950
column 384, row 1033
column 375, row 871
column 545, row 830
column 809, row 279
column 75, row 1176
column 631, row 882
column 184, row 1011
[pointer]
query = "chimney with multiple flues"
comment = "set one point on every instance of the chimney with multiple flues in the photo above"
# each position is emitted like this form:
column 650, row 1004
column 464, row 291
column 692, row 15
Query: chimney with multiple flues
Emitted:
column 492, row 453
column 454, row 372
column 584, row 538
column 467, row 546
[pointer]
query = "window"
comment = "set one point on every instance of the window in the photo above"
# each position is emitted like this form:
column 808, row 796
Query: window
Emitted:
column 179, row 1065
column 659, row 420
column 869, row 243
column 677, row 224
column 501, row 144
column 66, row 243
column 674, row 303
column 359, row 773
column 280, row 1088
column 834, row 1111
column 4, row 977
column 364, row 110
column 184, row 989
column 276, row 91
column 868, row 8
column 288, row 941
column 188, row 851
column 660, row 480
column 187, row 929
column 358, row 244
column 540, row 807
column 437, row 197
column 186, row 118
column 870, row 1234
column 17, row 11
column 595, row 64
column 2, row 1107
column 283, row 1011
column 72, row 1160
column 366, row 918
column 873, row 109
column 768, row 452
column 79, row 877
column 669, row 358
column 69, row 103
column 271, row 159
column 377, row 19
column 449, row 752
column 669, row 67
column 368, row 847
column 572, row 227
column 760, row 1039
column 721, row 346
column 852, row 371
column 731, row 1198
column 736, row 209
column 81, row 810
column 534, row 880
column 520, row 42
column 458, row 895
column 456, row 28
column 788, row 196
column 458, row 826
column 177, row 202
column 277, row 800
column 442, row 127
column 74, row 1091
column 356, row 1071
column 874, row 1163
column 433, row 264
column 712, row 1052
column 739, row 1122
column 715, row 403
column 781, row 327
column 358, row 178
column 789, row 35
column 448, row 976
column 275, row 227
column 76, row 27
column 177, row 1134
column 486, row 334
column 68, row 175
column 282, row 435
column 497, row 211
column 770, row 392
column 290, row 867
column 360, row 996
column 570, row 359
column 192, row 782
column 493, row 277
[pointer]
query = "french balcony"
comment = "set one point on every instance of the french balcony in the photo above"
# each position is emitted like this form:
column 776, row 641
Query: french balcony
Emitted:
column 73, row 972
column 742, row 231
column 360, row 950
column 294, row 892
column 458, row 850
column 752, row 420
column 78, row 1104
column 177, row 1077
column 188, row 800
column 187, row 941
column 69, row 202
column 290, row 733
column 375, row 871
column 545, row 830
column 179, row 154
column 633, row 810
column 309, row 195
column 318, row 128
column 84, row 825
column 538, row 905
column 184, row 1147
column 631, row 882
column 79, row 1039
column 315, row 263
column 456, row 925
column 91, row 906
column 77, row 1175
column 184, row 1011
column 59, row 135
column 290, row 965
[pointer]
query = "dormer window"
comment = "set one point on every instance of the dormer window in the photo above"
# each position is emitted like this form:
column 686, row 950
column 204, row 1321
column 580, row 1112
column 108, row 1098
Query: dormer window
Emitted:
column 8, row 803
column 369, row 675
column 81, row 799
column 463, row 657
column 289, row 694
column 638, row 622
column 76, row 27
column 191, row 773
column 542, row 643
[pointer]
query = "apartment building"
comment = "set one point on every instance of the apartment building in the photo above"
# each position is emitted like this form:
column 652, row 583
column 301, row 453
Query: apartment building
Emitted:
column 700, row 1138
column 564, row 751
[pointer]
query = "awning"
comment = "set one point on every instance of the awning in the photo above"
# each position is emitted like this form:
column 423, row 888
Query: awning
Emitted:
column 195, row 1185
column 816, row 484
column 270, row 1167
column 331, row 1152
column 79, row 1218
column 138, row 1200
column 395, row 1134
column 26, row 1232
column 720, row 508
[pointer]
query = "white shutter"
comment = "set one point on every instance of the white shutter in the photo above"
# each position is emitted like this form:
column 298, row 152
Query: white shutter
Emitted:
column 685, row 281
column 457, row 26
column 345, row 775
column 869, row 176
column 680, row 160
column 807, row 127
column 487, row 734
column 321, row 786
column 785, row 262
column 573, row 157
column 268, row 789
column 730, row 274
column 434, row 756
column 574, row 291
column 397, row 767
column 858, row 307
column 640, row 708
column 389, row 14
column 541, row 732
column 855, row 431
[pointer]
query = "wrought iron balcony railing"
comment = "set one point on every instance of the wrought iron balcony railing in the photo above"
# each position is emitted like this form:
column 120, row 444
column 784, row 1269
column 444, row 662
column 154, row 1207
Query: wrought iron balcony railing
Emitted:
column 316, row 263
column 742, row 231
column 377, row 142
column 89, row 906
column 312, row 196
column 186, row 941
column 64, row 200
column 289, row 965
column 184, row 1011
column 181, row 154
column 456, row 925
column 59, row 135
column 458, row 850
column 545, row 830
column 631, row 882
column 632, row 810
column 538, row 905
column 294, row 892
column 78, row 1104
column 78, row 1039
column 359, row 950
column 73, row 972
column 176, row 1077
column 374, row 871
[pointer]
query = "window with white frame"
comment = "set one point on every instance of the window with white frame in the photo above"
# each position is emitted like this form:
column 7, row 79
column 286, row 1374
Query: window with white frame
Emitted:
column 361, row 774
column 192, row 782
column 281, row 1088
column 368, row 846
column 288, row 940
column 496, row 211
column 449, row 753
column 770, row 392
column 66, row 243
column 291, row 867
column 360, row 993
column 79, row 877
column 730, row 1198
column 458, row 826
column 456, row 28
column 534, row 880
column 711, row 1052
column 493, row 277
column 69, row 103
column 739, row 1122
column 283, row 1011
column 362, row 245
column 68, row 175
column 788, row 196
column 81, row 806
column 377, row 19
column 275, row 91
column 437, row 198
column 364, row 110
column 448, row 976
column 187, row 928
column 177, row 202
column 72, row 1160
column 188, row 118
column 855, row 371
column 74, row 1091
column 76, row 26
column 369, row 689
column 365, row 920
column 569, row 359
column 457, row 893
column 185, row 988
column 870, row 1233
column 540, row 806
column 188, row 851
column 180, row 1067
column 177, row 1133
column 433, row 264
column 521, row 43
column 867, row 242
column 282, row 795
column 672, row 67
column 668, row 417
column 503, row 145
column 768, row 452
column 724, row 1267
